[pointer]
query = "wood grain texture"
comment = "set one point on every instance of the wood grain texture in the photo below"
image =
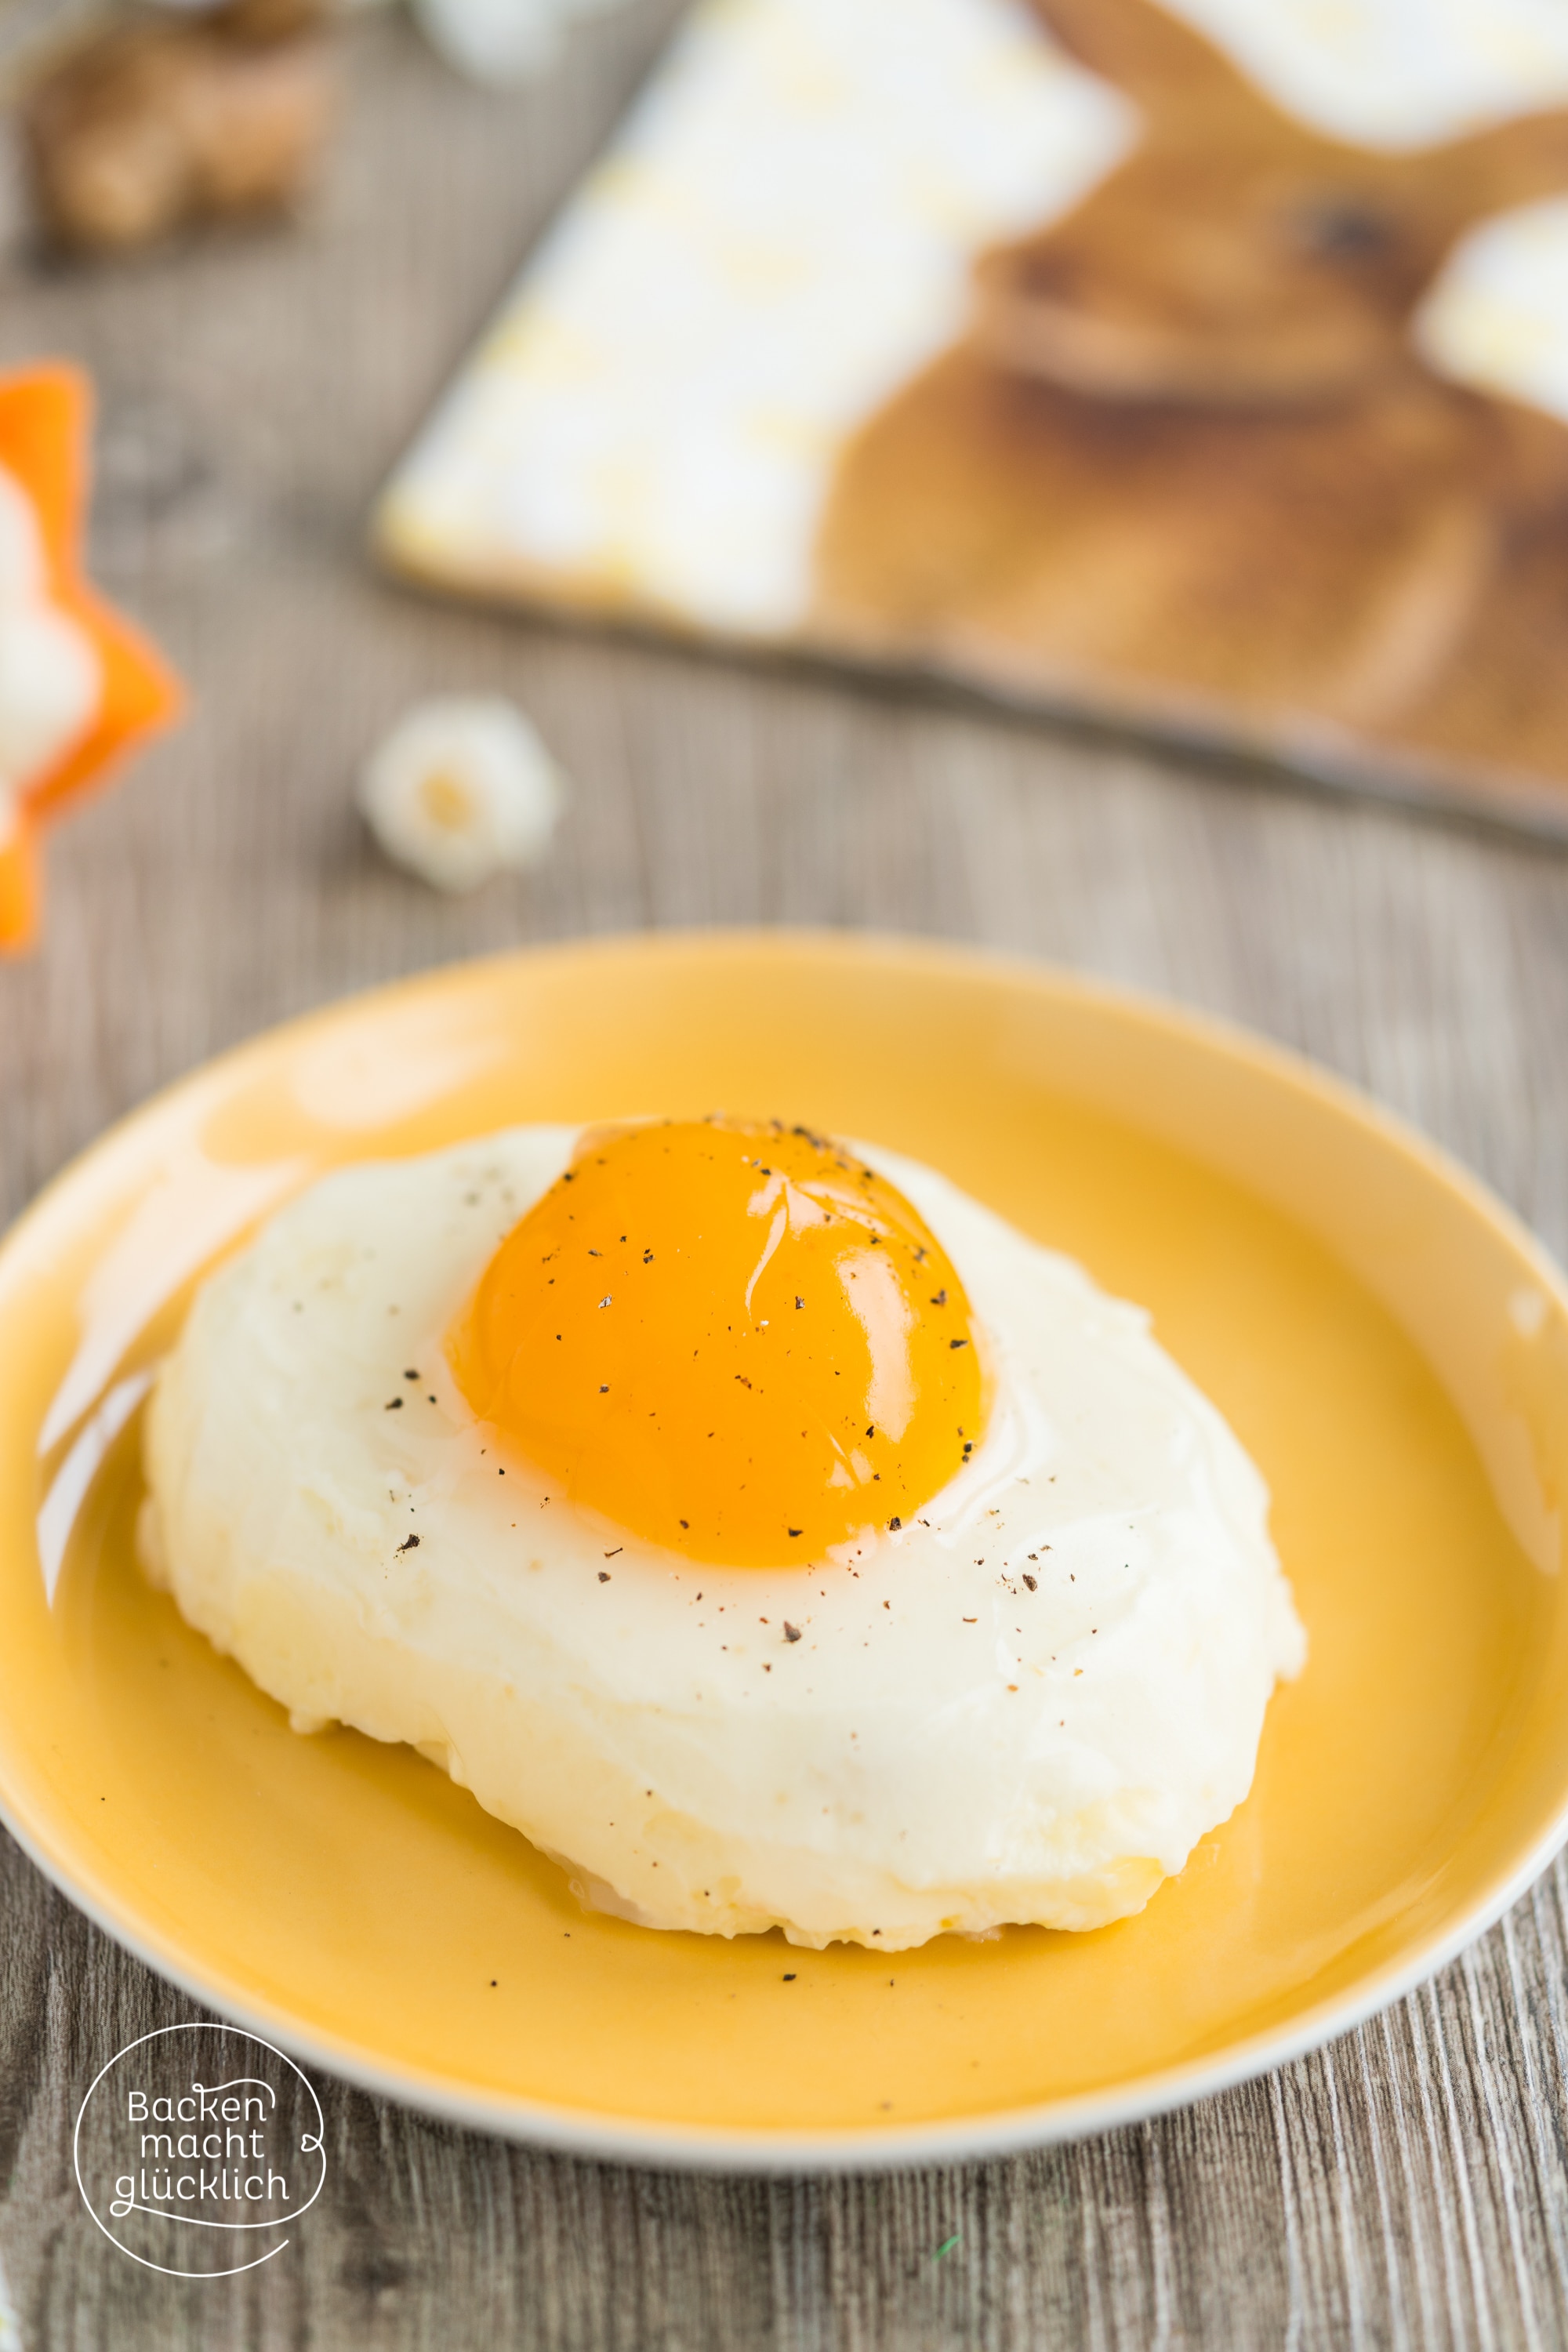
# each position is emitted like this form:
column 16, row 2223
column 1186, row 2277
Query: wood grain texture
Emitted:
column 1407, row 2187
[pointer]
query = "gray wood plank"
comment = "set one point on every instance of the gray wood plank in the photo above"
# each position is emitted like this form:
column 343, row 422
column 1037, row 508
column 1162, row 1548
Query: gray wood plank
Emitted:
column 1407, row 2187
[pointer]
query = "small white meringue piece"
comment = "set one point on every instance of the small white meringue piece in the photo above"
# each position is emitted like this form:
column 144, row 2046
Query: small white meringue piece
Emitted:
column 462, row 788
column 501, row 43
column 50, row 675
column 50, row 680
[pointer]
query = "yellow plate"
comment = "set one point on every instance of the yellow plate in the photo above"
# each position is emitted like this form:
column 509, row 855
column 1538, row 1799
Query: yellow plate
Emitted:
column 1386, row 1340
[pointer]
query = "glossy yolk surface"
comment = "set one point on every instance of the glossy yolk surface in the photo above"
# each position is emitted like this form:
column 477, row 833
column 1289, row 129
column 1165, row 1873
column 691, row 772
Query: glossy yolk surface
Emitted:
column 731, row 1338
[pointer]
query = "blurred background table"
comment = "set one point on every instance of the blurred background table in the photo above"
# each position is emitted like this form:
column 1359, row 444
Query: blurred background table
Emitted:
column 1408, row 2186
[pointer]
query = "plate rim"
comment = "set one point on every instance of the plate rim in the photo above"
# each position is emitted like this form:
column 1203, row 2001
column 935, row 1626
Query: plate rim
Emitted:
column 601, row 2135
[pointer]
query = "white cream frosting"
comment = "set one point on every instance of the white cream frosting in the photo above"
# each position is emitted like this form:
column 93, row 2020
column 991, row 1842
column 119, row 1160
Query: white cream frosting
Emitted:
column 944, row 1747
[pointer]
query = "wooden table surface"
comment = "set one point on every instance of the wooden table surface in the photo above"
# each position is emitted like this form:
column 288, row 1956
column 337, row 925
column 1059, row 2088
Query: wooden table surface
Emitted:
column 1407, row 2186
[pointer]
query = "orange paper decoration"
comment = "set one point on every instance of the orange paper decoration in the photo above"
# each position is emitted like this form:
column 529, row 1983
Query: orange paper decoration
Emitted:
column 46, row 420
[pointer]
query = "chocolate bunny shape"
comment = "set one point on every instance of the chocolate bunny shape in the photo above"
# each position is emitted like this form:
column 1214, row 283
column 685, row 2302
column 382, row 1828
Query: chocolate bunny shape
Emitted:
column 1187, row 462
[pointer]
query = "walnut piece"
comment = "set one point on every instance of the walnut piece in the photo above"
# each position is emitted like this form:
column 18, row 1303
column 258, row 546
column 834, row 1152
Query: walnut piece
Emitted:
column 159, row 122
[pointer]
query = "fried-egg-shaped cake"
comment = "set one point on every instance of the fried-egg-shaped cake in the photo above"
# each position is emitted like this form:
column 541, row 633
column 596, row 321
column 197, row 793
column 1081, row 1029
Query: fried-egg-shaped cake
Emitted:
column 762, row 1527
